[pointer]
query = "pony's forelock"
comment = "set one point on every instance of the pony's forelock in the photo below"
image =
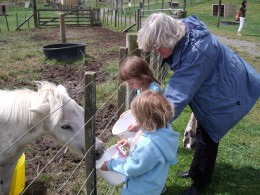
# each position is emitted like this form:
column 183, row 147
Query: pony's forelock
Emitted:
column 48, row 92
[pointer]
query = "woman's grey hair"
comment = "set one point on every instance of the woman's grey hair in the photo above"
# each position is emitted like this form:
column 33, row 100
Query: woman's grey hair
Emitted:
column 160, row 30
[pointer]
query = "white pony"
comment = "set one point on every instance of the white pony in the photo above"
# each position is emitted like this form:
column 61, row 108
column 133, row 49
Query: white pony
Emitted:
column 23, row 110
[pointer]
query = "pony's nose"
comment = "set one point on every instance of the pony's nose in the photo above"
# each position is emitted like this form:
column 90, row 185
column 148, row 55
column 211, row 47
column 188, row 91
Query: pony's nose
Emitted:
column 99, row 154
column 100, row 150
column 83, row 151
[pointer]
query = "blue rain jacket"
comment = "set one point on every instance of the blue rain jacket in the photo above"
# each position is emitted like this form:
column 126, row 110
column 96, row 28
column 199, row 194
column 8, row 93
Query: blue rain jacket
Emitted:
column 146, row 168
column 218, row 85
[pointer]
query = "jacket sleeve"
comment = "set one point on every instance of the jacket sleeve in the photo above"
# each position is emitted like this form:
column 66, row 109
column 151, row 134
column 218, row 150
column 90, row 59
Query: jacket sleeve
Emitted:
column 139, row 161
column 188, row 77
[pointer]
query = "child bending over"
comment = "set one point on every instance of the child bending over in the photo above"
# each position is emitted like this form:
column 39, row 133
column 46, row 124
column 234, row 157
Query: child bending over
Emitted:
column 137, row 74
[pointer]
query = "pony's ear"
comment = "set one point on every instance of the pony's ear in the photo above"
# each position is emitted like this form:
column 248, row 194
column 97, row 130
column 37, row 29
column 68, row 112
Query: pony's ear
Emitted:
column 62, row 89
column 39, row 84
column 43, row 108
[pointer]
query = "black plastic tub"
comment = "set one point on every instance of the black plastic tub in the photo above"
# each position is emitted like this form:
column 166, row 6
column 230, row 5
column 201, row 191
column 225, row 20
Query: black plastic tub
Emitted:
column 64, row 51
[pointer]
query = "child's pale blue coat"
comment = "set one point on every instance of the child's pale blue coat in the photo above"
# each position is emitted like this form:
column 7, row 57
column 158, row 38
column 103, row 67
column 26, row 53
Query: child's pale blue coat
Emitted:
column 147, row 165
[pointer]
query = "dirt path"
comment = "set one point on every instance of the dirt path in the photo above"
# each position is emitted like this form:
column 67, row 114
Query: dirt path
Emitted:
column 249, row 48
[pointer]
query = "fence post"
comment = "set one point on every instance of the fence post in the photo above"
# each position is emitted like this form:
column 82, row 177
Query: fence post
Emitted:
column 138, row 19
column 16, row 17
column 116, row 12
column 62, row 28
column 90, row 109
column 219, row 12
column 34, row 7
column 111, row 17
column 131, row 44
column 121, row 94
column 92, row 17
column 7, row 25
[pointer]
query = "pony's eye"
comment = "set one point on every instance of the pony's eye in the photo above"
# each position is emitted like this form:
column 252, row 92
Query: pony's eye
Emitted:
column 66, row 127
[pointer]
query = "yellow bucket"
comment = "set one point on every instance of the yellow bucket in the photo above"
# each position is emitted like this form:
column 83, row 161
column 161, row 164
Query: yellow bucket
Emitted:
column 18, row 182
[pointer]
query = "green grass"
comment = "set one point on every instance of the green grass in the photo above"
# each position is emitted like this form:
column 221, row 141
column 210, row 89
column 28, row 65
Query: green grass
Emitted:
column 251, row 30
column 237, row 168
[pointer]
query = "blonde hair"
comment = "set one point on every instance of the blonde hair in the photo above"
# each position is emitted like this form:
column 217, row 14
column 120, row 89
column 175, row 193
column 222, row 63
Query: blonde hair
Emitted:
column 152, row 110
column 137, row 68
column 160, row 30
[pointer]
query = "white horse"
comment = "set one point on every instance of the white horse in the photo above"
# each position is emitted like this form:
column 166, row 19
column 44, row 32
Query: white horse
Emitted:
column 22, row 113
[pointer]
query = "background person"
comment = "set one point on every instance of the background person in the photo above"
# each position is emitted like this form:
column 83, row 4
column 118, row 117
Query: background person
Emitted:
column 219, row 86
column 242, row 12
column 147, row 164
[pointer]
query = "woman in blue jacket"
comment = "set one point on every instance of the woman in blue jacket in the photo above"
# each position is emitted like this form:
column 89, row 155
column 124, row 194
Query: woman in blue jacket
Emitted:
column 218, row 85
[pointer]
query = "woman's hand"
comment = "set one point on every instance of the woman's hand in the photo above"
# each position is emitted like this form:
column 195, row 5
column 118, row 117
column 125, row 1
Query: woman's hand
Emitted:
column 104, row 167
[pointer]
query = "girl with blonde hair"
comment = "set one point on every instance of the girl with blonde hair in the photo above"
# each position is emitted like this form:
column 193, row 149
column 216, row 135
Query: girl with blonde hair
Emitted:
column 147, row 164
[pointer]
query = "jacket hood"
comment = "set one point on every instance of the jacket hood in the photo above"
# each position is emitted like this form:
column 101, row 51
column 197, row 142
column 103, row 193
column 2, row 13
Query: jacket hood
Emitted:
column 194, row 27
column 166, row 140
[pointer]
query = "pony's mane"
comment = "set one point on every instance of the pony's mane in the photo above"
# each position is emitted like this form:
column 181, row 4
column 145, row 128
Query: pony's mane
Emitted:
column 14, row 105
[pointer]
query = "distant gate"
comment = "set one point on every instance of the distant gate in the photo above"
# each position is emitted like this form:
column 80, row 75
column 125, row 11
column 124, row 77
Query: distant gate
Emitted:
column 73, row 17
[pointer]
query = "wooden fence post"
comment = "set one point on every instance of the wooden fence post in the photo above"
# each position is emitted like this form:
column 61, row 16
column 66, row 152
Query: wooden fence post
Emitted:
column 121, row 94
column 92, row 18
column 138, row 19
column 7, row 25
column 90, row 110
column 16, row 17
column 131, row 44
column 219, row 12
column 62, row 28
column 34, row 7
column 116, row 12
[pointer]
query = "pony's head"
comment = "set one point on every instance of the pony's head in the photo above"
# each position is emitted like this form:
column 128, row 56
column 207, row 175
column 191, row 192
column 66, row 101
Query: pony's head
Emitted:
column 64, row 117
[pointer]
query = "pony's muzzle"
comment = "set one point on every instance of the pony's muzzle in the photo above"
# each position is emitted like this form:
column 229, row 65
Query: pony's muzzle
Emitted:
column 100, row 148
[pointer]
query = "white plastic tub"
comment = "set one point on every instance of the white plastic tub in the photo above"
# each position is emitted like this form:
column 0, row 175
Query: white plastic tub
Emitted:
column 111, row 177
column 120, row 127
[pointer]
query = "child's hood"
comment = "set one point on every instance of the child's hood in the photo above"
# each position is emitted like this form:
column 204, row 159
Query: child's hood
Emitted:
column 166, row 140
